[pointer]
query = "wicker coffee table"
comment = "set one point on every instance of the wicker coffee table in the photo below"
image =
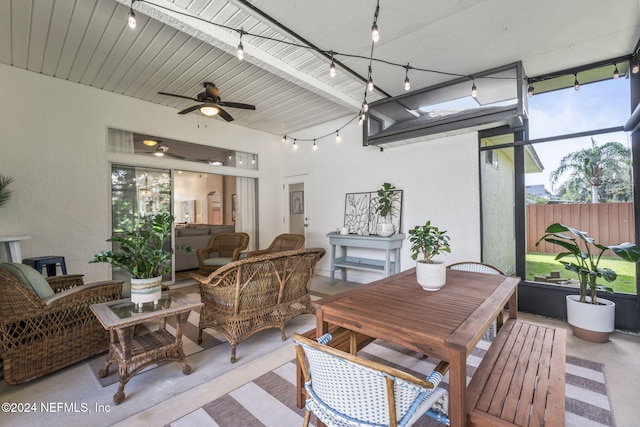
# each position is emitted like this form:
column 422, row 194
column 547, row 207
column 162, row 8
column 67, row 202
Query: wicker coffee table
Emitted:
column 133, row 353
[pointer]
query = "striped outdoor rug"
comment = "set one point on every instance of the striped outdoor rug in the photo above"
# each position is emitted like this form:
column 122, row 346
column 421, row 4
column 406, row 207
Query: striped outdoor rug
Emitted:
column 269, row 400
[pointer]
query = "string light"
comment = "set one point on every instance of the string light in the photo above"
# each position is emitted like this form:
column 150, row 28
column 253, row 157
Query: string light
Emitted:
column 240, row 47
column 370, row 84
column 332, row 69
column 338, row 137
column 635, row 64
column 616, row 73
column 375, row 34
column 576, row 83
column 530, row 90
column 407, row 83
column 284, row 138
column 294, row 146
column 365, row 106
column 474, row 89
column 315, row 147
column 132, row 16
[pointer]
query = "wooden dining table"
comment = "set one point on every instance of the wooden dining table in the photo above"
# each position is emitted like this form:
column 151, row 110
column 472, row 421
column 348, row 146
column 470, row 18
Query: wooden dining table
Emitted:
column 445, row 324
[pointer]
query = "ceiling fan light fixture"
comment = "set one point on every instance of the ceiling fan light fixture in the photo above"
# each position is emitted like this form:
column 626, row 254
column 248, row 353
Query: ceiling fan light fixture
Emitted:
column 209, row 110
column 150, row 142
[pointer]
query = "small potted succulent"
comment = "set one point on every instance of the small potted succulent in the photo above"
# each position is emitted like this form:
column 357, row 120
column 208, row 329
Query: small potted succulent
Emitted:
column 428, row 241
column 143, row 252
column 590, row 317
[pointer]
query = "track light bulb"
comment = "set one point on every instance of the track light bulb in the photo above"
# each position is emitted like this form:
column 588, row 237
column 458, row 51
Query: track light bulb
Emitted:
column 240, row 51
column 132, row 19
column 370, row 84
column 375, row 34
column 474, row 90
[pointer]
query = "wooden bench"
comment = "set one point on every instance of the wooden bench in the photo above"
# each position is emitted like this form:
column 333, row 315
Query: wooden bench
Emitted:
column 342, row 341
column 521, row 379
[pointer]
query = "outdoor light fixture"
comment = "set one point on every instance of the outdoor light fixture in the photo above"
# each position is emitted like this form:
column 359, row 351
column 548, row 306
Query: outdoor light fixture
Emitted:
column 474, row 89
column 332, row 69
column 407, row 83
column 576, row 83
column 370, row 84
column 240, row 47
column 375, row 34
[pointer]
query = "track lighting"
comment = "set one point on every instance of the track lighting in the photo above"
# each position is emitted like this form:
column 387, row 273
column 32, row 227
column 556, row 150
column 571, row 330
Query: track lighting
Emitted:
column 474, row 89
column 407, row 83
column 616, row 73
column 576, row 83
column 240, row 47
column 338, row 137
column 132, row 16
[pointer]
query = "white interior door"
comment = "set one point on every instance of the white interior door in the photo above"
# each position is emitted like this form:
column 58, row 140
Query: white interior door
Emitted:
column 295, row 199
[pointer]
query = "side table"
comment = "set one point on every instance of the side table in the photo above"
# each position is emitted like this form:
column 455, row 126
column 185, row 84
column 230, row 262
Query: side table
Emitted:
column 134, row 353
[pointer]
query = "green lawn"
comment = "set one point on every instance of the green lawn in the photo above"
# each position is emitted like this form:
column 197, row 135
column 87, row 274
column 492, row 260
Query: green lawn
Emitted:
column 542, row 264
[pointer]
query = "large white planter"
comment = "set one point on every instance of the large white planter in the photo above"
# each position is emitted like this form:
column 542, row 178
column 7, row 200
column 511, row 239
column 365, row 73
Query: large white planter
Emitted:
column 591, row 322
column 146, row 290
column 431, row 277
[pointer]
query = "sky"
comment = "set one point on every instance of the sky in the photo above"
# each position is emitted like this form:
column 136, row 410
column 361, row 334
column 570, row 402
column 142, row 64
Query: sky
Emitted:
column 595, row 106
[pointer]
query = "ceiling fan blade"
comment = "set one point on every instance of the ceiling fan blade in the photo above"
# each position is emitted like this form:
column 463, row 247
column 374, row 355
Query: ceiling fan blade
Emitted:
column 225, row 115
column 190, row 109
column 238, row 105
column 175, row 156
column 178, row 96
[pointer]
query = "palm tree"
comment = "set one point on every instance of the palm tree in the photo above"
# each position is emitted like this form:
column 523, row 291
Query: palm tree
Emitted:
column 599, row 170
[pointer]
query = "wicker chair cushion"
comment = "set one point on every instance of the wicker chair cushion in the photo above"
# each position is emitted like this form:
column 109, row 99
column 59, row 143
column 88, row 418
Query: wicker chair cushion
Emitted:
column 30, row 278
column 217, row 262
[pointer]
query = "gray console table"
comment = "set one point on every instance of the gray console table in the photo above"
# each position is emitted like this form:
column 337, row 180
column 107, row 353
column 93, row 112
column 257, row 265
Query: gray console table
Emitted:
column 344, row 261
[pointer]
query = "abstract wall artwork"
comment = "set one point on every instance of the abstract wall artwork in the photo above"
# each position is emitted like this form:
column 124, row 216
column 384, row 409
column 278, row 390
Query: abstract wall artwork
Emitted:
column 361, row 212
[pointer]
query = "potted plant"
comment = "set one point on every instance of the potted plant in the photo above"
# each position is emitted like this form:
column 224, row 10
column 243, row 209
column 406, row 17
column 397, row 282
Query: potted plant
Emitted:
column 143, row 253
column 428, row 241
column 384, row 208
column 5, row 193
column 590, row 317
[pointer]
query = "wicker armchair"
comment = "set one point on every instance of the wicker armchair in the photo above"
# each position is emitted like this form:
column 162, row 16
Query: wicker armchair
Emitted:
column 283, row 242
column 222, row 249
column 40, row 336
column 253, row 294
column 479, row 267
column 346, row 390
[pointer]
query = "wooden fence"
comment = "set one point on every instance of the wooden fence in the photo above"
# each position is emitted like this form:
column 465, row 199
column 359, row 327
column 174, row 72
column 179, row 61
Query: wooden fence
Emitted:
column 608, row 223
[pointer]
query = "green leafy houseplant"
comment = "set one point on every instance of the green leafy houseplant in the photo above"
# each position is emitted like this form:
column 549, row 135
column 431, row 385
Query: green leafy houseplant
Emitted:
column 5, row 193
column 586, row 262
column 428, row 241
column 385, row 199
column 141, row 250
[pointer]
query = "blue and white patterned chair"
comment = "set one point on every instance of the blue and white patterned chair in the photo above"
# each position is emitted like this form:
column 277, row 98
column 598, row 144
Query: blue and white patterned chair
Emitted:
column 345, row 390
column 479, row 267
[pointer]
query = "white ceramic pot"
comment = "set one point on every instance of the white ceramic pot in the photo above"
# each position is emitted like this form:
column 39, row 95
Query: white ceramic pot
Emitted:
column 385, row 230
column 431, row 277
column 592, row 322
column 146, row 290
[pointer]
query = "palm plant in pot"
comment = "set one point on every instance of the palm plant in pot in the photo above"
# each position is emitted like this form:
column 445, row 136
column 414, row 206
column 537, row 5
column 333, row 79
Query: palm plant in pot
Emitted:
column 384, row 208
column 590, row 317
column 142, row 251
column 428, row 241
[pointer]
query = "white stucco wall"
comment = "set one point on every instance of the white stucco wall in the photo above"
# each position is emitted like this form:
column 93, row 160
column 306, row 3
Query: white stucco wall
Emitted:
column 53, row 139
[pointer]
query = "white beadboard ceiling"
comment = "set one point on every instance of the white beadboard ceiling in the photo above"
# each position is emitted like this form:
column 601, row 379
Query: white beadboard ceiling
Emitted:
column 88, row 42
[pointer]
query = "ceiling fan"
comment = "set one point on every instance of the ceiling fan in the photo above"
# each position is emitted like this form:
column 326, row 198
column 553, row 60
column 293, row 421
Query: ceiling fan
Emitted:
column 210, row 103
column 161, row 150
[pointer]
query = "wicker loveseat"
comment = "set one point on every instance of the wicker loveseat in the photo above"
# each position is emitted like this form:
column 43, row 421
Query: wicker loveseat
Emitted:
column 41, row 335
column 253, row 294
